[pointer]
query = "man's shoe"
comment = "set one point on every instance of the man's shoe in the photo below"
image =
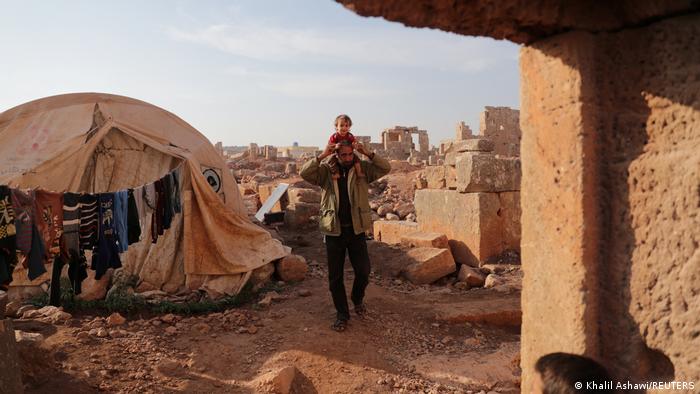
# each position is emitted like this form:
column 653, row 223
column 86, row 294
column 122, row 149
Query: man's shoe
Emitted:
column 340, row 325
column 361, row 310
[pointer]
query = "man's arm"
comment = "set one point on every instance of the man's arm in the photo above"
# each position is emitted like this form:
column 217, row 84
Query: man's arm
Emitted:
column 312, row 172
column 378, row 166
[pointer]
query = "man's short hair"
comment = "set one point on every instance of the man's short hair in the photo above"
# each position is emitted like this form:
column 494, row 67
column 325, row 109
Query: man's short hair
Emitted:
column 561, row 371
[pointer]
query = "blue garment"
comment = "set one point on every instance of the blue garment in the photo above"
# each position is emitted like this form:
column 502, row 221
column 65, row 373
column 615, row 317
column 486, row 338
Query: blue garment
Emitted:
column 121, row 213
column 106, row 254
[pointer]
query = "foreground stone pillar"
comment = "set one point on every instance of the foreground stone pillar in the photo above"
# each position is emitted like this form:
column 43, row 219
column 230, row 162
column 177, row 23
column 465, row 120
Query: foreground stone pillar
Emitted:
column 10, row 370
column 559, row 195
column 611, row 205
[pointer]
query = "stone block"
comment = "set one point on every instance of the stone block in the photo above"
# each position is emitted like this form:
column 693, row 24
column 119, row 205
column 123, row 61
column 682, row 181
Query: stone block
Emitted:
column 481, row 172
column 310, row 196
column 428, row 265
column 391, row 231
column 425, row 239
column 292, row 268
column 10, row 369
column 261, row 275
column 473, row 145
column 299, row 214
column 472, row 222
column 471, row 276
column 440, row 177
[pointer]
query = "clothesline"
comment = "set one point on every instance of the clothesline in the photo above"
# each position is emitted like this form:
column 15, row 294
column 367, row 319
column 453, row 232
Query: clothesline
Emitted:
column 38, row 226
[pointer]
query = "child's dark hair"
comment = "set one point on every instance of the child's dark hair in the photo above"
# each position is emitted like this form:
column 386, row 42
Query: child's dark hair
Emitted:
column 342, row 117
column 560, row 372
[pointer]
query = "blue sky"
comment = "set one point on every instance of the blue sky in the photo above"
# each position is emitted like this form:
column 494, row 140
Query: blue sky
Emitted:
column 269, row 71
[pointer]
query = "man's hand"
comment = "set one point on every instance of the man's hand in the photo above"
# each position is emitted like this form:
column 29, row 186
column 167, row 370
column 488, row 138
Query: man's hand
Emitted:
column 361, row 148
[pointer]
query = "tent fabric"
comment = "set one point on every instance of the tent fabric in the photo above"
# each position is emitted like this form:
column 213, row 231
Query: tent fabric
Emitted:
column 93, row 142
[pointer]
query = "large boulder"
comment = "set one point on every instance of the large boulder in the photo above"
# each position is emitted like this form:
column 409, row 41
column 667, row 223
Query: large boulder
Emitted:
column 428, row 265
column 292, row 268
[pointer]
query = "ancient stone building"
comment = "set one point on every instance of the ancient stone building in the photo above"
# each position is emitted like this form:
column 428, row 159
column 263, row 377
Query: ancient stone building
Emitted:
column 398, row 144
column 611, row 165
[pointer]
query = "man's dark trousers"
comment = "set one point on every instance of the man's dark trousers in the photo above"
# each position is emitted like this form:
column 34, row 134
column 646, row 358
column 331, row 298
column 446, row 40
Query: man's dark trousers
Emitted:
column 356, row 246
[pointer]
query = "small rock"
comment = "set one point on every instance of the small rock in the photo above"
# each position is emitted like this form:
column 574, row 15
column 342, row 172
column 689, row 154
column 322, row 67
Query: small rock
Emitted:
column 169, row 318
column 23, row 309
column 115, row 319
column 292, row 268
column 446, row 340
column 202, row 328
column 156, row 322
column 493, row 280
column 102, row 333
column 171, row 330
column 12, row 308
column 22, row 336
column 82, row 335
column 391, row 216
column 304, row 292
column 252, row 330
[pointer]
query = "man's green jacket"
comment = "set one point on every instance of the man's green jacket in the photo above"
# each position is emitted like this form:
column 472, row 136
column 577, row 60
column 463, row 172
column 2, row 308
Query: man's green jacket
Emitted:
column 320, row 174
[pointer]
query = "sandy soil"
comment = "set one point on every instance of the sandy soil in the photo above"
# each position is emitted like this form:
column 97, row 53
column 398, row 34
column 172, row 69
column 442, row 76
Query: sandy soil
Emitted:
column 405, row 344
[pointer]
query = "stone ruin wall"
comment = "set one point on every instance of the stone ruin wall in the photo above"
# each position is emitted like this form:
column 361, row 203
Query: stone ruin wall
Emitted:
column 474, row 199
column 502, row 126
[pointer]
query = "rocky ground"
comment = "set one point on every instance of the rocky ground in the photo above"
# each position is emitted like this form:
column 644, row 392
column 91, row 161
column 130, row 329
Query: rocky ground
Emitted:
column 438, row 338
column 430, row 339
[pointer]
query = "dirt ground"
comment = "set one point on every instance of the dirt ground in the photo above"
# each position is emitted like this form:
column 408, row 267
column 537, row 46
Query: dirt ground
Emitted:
column 415, row 339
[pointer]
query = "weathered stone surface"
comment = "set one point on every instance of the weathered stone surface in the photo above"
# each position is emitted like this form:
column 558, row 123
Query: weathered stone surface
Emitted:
column 472, row 145
column 502, row 126
column 12, row 308
column 292, row 268
column 299, row 214
column 483, row 172
column 440, row 177
column 93, row 289
column 425, row 239
column 279, row 381
column 115, row 319
column 391, row 231
column 384, row 209
column 472, row 276
column 428, row 265
column 471, row 221
column 518, row 20
column 391, row 216
column 303, row 195
column 10, row 369
column 404, row 208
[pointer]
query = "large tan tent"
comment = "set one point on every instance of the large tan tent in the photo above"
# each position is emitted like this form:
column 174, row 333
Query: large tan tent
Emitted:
column 93, row 142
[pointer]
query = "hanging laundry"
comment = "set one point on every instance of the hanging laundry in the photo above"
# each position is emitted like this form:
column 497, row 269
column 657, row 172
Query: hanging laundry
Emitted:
column 141, row 207
column 166, row 181
column 176, row 202
column 121, row 210
column 158, row 213
column 71, row 223
column 49, row 211
column 88, row 221
column 133, row 223
column 7, row 218
column 106, row 254
column 28, row 241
